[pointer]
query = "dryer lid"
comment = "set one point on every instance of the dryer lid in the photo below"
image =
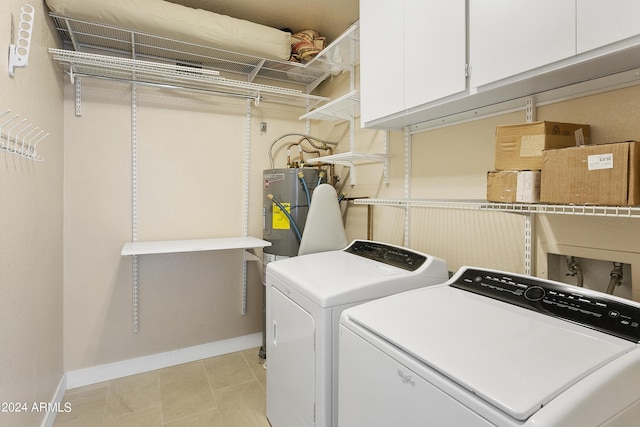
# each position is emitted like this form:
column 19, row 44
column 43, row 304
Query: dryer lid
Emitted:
column 335, row 278
column 515, row 359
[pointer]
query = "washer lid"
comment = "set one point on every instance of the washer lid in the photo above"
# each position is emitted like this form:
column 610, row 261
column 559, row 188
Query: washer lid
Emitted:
column 515, row 359
column 334, row 278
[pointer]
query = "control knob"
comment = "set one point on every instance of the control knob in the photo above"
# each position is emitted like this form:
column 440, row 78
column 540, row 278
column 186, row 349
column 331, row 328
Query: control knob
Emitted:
column 534, row 293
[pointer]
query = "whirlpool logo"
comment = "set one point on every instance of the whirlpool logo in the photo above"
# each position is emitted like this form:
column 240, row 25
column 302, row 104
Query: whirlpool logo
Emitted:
column 406, row 378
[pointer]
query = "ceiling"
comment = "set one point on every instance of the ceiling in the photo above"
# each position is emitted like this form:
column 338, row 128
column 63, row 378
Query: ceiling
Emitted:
column 329, row 17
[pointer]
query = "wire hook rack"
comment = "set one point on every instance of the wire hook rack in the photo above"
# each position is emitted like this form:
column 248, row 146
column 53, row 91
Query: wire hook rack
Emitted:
column 18, row 136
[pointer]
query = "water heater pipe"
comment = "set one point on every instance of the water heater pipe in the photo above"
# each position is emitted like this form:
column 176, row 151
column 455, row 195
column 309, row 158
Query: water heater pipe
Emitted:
column 294, row 134
column 294, row 226
column 305, row 187
column 616, row 277
column 575, row 270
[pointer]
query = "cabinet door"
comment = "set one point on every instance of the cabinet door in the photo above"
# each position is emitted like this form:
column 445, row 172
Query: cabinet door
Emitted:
column 435, row 40
column 509, row 37
column 381, row 59
column 412, row 52
column 601, row 23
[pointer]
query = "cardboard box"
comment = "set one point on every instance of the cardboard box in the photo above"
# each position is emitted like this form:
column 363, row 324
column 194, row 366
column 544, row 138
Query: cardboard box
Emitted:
column 606, row 174
column 520, row 146
column 513, row 186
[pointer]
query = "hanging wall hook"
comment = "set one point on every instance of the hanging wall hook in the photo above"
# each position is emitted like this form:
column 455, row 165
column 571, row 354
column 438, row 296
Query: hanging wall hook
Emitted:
column 35, row 155
column 1, row 126
column 7, row 135
column 19, row 137
column 9, row 138
column 16, row 139
column 26, row 146
column 19, row 52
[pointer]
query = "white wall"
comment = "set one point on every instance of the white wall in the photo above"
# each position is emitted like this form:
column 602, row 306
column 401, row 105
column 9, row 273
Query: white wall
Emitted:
column 190, row 166
column 31, row 365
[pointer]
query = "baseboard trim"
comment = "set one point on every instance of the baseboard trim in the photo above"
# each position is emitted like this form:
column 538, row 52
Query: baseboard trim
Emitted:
column 56, row 402
column 110, row 371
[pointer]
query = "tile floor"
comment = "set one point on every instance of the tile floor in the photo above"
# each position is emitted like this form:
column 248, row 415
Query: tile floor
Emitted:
column 223, row 391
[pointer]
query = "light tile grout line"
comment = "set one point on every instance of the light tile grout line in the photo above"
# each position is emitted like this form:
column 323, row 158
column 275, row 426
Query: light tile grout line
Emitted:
column 244, row 354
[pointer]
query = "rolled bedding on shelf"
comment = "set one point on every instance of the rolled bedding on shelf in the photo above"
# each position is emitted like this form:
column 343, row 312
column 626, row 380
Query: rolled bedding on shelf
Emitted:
column 183, row 23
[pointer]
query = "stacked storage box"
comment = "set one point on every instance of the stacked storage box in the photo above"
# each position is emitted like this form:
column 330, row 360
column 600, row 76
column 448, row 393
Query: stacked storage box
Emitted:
column 603, row 174
column 519, row 157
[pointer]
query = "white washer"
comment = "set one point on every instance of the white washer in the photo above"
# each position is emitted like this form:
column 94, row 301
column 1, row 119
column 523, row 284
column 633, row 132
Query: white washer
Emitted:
column 491, row 348
column 305, row 297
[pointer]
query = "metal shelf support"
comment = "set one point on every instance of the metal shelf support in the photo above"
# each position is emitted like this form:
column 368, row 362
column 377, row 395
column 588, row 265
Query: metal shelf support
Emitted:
column 245, row 203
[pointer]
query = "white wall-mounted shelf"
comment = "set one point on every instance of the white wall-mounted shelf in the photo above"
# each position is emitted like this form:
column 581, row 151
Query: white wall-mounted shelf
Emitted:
column 344, row 108
column 521, row 208
column 341, row 54
column 529, row 210
column 116, row 42
column 156, row 247
column 82, row 64
column 350, row 158
column 194, row 245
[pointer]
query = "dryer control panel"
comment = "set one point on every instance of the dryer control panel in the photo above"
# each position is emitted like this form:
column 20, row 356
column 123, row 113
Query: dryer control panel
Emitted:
column 593, row 309
column 387, row 254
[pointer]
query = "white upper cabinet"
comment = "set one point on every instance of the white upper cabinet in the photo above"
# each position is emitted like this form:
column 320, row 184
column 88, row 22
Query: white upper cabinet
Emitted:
column 604, row 22
column 411, row 52
column 414, row 54
column 435, row 43
column 381, row 58
column 509, row 37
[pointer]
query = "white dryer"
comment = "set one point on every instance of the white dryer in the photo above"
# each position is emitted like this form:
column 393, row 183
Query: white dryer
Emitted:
column 491, row 348
column 305, row 297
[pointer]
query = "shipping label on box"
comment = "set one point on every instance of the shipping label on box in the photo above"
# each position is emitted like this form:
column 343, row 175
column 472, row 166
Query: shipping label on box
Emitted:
column 606, row 174
column 520, row 146
column 513, row 186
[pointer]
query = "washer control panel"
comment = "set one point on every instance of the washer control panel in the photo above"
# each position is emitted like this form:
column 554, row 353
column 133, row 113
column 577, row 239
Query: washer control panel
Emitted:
column 586, row 307
column 387, row 254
